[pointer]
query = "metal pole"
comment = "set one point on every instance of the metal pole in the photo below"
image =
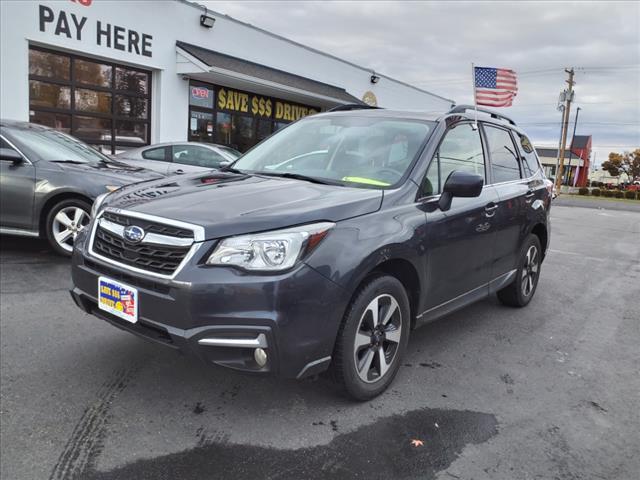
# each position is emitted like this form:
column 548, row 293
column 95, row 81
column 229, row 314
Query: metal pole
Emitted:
column 555, row 172
column 575, row 124
column 565, row 127
column 475, row 99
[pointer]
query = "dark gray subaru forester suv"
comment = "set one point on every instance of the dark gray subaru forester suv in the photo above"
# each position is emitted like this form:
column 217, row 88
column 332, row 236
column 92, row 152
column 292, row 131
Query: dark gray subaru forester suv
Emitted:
column 325, row 245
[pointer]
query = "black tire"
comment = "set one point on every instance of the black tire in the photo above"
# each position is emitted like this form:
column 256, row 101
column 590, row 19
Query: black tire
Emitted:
column 51, row 224
column 358, row 318
column 517, row 294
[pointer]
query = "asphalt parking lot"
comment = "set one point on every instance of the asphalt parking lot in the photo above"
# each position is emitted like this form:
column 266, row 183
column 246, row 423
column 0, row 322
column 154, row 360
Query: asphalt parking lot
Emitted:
column 548, row 392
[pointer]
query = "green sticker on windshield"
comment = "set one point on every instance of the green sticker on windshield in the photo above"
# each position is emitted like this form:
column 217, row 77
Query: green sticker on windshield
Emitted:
column 366, row 181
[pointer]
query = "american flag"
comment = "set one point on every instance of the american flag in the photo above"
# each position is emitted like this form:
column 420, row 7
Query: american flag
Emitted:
column 495, row 87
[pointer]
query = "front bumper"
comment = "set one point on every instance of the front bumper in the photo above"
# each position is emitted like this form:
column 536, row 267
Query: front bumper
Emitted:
column 296, row 315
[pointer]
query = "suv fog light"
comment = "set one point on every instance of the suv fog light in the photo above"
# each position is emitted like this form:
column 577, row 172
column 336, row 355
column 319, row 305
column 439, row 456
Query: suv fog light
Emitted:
column 260, row 356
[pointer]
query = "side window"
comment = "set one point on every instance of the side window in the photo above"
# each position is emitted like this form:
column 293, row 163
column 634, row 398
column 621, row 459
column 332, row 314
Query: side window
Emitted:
column 197, row 156
column 529, row 161
column 504, row 157
column 155, row 154
column 460, row 150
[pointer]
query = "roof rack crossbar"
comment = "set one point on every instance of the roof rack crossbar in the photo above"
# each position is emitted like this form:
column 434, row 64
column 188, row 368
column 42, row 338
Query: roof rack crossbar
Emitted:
column 350, row 106
column 465, row 108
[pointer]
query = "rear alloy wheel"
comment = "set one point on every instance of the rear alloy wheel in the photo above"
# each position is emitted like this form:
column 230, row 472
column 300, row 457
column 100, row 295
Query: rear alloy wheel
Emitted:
column 520, row 292
column 64, row 222
column 373, row 338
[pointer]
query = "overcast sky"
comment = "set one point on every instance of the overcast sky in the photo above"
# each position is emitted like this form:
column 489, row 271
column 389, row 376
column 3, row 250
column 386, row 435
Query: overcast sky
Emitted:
column 432, row 44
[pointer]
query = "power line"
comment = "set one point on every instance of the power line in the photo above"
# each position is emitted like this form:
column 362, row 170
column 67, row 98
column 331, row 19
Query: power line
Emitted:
column 527, row 73
column 581, row 123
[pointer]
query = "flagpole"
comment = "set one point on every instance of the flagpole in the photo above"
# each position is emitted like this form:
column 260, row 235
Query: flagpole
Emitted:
column 475, row 100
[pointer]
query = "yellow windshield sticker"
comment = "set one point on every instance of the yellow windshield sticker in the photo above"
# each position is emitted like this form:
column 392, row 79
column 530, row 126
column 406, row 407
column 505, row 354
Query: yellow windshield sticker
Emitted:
column 367, row 181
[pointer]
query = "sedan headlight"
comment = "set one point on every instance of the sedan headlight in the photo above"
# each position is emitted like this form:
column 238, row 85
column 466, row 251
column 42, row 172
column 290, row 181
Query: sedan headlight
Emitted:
column 271, row 251
column 97, row 203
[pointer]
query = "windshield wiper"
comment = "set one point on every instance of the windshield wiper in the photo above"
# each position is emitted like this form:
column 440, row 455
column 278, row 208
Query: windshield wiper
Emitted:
column 111, row 163
column 229, row 168
column 76, row 162
column 299, row 176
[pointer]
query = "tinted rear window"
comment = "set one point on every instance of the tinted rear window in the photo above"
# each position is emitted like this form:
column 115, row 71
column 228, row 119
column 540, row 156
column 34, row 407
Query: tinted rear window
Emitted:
column 504, row 157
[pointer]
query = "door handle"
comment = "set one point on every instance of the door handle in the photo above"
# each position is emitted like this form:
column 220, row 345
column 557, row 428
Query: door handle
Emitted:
column 179, row 170
column 490, row 210
column 529, row 195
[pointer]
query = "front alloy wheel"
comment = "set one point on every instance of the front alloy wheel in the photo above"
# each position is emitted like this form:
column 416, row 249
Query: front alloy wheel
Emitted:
column 377, row 339
column 372, row 338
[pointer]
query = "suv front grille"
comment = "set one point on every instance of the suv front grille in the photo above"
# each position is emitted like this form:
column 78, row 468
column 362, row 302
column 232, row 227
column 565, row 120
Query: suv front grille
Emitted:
column 156, row 258
column 149, row 226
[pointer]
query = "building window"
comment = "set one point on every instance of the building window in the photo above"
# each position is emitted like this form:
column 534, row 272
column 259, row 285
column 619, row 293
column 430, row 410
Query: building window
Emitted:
column 235, row 118
column 102, row 103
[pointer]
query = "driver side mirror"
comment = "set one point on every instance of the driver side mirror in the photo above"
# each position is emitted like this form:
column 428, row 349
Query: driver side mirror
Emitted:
column 10, row 155
column 460, row 184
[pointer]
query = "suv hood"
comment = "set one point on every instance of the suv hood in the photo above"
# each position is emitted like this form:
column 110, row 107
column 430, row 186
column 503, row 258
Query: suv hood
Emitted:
column 231, row 204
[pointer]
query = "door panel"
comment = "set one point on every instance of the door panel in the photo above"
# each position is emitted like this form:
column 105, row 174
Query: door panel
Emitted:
column 460, row 244
column 460, row 240
column 510, row 221
column 514, row 195
column 17, row 186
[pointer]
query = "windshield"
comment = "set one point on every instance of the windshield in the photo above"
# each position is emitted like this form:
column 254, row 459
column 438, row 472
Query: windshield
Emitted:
column 357, row 151
column 53, row 145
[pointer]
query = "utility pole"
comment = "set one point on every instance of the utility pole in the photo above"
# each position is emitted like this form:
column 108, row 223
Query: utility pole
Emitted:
column 565, row 127
column 575, row 124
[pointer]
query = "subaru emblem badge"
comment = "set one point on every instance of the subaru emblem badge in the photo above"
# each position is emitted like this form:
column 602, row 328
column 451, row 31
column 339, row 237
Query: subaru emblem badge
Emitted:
column 133, row 234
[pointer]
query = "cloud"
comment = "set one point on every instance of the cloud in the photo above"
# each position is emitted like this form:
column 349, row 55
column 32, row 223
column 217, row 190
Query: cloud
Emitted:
column 432, row 44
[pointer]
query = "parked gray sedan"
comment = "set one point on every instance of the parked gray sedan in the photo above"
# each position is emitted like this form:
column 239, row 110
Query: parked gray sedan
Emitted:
column 49, row 181
column 180, row 157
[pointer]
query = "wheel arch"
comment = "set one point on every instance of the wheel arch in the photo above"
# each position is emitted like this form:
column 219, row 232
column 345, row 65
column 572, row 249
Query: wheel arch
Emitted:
column 540, row 231
column 407, row 274
column 398, row 267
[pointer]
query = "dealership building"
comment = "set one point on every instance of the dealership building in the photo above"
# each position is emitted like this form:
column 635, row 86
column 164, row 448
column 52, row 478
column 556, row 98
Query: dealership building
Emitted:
column 119, row 75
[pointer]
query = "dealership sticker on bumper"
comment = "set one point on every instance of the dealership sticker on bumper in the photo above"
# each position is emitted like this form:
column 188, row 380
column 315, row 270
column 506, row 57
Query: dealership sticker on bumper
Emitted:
column 118, row 299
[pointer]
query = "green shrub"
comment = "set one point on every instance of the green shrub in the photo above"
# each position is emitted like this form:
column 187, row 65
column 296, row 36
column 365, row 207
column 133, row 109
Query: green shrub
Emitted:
column 631, row 195
column 596, row 192
column 583, row 191
column 607, row 193
column 619, row 194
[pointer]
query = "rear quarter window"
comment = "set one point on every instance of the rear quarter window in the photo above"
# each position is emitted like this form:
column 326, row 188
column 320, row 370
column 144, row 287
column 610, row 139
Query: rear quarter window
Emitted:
column 530, row 162
column 155, row 154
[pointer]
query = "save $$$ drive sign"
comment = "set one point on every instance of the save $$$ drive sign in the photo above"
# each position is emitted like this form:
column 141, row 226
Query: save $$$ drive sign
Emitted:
column 72, row 26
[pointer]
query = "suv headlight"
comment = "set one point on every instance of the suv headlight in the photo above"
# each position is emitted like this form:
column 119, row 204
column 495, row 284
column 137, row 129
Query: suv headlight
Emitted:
column 271, row 251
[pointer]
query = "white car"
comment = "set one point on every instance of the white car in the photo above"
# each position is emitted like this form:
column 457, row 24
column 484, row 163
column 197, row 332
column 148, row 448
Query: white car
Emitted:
column 180, row 157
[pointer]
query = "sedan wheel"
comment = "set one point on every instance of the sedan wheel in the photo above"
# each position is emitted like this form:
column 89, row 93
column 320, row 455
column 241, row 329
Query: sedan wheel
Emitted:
column 64, row 222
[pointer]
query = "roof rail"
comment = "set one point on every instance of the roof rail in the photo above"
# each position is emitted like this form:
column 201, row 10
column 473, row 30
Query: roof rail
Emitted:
column 464, row 108
column 350, row 106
